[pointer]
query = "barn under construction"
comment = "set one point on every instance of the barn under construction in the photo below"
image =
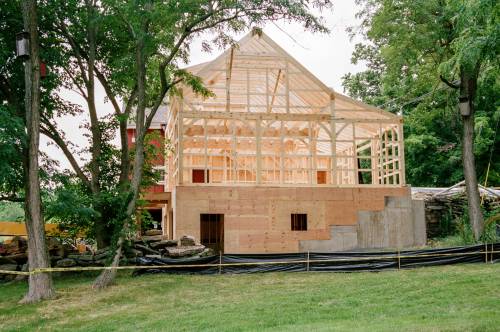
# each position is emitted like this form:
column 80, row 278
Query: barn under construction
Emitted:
column 276, row 161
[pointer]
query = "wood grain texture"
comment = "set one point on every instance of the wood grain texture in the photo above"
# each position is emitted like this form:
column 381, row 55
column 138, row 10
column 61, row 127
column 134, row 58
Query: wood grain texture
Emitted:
column 257, row 219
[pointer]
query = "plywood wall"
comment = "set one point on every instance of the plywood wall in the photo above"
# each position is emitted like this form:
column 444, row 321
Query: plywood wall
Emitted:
column 257, row 219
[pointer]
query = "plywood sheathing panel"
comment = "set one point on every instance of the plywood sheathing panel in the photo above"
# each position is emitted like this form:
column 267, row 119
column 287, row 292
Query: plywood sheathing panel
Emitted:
column 187, row 216
column 257, row 219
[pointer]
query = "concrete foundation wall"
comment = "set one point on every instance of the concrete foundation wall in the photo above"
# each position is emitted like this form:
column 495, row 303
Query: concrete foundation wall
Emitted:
column 257, row 219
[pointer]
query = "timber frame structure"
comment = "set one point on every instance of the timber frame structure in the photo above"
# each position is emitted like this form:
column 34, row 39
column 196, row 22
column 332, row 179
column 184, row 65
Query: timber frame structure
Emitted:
column 271, row 122
column 276, row 161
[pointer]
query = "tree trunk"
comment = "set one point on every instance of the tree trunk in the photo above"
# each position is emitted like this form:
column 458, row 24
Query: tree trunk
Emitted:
column 103, row 233
column 468, row 85
column 106, row 278
column 40, row 284
column 124, row 155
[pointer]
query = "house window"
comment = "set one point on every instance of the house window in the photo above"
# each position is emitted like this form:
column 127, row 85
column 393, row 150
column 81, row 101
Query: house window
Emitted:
column 161, row 170
column 199, row 176
column 321, row 177
column 299, row 221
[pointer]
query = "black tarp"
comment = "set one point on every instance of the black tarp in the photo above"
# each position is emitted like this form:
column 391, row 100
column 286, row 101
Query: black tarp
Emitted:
column 349, row 261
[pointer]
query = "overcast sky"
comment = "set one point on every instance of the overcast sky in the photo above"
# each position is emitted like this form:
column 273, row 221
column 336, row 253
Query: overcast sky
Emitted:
column 327, row 56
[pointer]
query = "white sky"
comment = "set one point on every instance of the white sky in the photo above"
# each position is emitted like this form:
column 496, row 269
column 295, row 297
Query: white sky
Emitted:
column 327, row 56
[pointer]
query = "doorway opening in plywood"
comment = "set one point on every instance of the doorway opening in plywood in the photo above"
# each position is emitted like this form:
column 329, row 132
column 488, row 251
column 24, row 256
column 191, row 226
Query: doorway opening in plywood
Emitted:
column 212, row 231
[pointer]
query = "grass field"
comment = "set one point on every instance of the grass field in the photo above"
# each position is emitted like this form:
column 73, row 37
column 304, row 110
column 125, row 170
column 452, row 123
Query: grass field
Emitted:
column 449, row 298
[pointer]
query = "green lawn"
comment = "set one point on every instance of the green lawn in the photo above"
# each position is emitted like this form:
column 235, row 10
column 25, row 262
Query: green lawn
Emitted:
column 450, row 298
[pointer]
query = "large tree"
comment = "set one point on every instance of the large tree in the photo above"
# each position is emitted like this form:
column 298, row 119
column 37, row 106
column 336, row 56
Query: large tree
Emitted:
column 423, row 58
column 23, row 108
column 134, row 50
column 40, row 284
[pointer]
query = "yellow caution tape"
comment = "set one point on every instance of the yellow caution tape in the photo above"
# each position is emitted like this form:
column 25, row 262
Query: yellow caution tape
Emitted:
column 333, row 260
column 23, row 273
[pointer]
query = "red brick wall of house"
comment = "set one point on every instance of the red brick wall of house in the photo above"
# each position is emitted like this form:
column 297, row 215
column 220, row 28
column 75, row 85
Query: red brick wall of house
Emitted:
column 160, row 161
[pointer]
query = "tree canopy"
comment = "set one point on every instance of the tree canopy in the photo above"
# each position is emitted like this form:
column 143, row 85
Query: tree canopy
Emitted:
column 409, row 48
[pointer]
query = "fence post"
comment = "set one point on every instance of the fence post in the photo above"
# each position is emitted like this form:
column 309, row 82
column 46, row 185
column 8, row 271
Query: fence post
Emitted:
column 307, row 266
column 486, row 253
column 399, row 260
column 492, row 252
column 220, row 262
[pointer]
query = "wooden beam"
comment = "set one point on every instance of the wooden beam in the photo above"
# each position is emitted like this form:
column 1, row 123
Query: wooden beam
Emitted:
column 287, row 87
column 205, row 152
column 160, row 197
column 386, row 159
column 180, row 138
column 333, row 142
column 282, row 153
column 278, row 116
column 228, row 80
column 270, row 107
column 401, row 150
column 355, row 155
column 312, row 156
column 259, row 151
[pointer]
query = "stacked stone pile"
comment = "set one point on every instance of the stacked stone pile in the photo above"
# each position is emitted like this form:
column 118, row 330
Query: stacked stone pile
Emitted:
column 449, row 205
column 156, row 246
column 14, row 255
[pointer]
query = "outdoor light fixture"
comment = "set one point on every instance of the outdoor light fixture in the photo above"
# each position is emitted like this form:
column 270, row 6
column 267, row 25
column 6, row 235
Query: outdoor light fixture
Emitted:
column 163, row 126
column 463, row 105
column 22, row 45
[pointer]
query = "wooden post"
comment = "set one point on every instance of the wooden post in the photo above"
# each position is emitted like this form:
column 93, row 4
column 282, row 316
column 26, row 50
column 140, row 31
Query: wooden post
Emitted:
column 386, row 159
column 399, row 260
column 307, row 267
column 170, row 221
column 401, row 153
column 233, row 152
column 492, row 252
column 393, row 156
column 373, row 151
column 486, row 253
column 224, row 166
column 333, row 142
column 355, row 155
column 282, row 153
column 205, row 149
column 220, row 262
column 180, row 157
column 258, row 130
column 313, row 167
column 381, row 155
